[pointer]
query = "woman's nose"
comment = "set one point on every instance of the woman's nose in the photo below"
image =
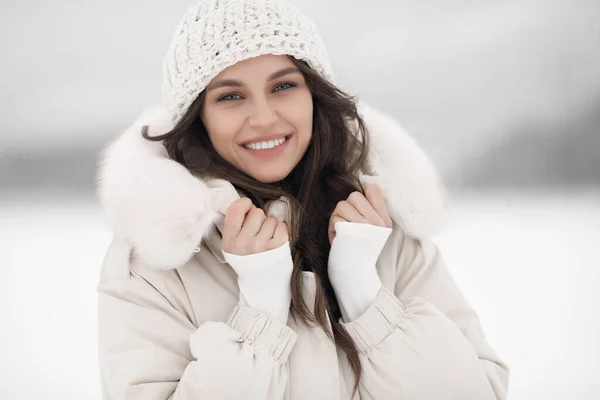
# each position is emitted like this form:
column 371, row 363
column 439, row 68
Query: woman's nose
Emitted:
column 262, row 115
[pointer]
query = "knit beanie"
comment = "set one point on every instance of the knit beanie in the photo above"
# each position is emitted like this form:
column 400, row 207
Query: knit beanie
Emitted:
column 215, row 34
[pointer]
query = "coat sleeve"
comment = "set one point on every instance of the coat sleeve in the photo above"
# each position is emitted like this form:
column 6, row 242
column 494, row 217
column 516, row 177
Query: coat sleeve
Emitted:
column 149, row 350
column 421, row 339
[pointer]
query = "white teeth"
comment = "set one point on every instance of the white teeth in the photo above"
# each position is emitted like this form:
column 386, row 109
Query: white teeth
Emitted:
column 265, row 145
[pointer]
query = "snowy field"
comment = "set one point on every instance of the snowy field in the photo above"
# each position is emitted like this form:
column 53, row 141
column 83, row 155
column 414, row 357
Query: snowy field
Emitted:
column 528, row 262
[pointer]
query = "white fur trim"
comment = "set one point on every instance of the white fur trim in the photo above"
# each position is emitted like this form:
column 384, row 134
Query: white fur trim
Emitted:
column 163, row 211
column 151, row 201
column 414, row 193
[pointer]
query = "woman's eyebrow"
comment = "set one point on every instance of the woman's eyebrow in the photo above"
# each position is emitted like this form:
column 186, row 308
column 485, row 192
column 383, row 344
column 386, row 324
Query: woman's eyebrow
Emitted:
column 235, row 83
column 223, row 83
column 283, row 72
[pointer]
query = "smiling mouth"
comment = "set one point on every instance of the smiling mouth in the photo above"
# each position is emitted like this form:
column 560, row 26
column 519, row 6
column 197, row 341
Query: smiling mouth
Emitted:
column 266, row 145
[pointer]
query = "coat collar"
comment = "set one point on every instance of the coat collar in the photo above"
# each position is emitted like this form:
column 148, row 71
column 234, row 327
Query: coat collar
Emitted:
column 163, row 211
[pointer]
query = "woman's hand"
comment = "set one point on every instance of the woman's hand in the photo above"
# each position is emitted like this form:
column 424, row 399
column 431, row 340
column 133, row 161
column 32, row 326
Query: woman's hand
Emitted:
column 248, row 230
column 356, row 242
column 257, row 248
column 369, row 208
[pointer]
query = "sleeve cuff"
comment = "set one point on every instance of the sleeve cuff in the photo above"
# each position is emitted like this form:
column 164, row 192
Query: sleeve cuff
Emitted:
column 265, row 258
column 264, row 280
column 264, row 332
column 378, row 322
column 379, row 233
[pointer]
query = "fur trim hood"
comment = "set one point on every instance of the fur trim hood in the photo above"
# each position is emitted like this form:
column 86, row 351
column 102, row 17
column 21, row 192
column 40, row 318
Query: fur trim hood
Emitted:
column 163, row 211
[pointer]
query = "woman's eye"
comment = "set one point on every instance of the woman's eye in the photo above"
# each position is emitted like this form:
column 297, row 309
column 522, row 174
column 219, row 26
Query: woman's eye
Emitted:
column 283, row 86
column 228, row 97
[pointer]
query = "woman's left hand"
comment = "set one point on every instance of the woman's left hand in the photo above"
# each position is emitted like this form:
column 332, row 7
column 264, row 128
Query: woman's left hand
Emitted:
column 370, row 208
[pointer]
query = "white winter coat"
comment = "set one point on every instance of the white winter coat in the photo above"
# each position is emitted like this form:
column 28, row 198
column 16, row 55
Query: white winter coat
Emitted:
column 170, row 326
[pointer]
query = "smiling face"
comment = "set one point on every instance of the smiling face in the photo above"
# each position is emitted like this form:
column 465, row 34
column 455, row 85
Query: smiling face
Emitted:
column 258, row 115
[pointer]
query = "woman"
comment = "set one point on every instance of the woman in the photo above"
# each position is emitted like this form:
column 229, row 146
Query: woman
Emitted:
column 271, row 238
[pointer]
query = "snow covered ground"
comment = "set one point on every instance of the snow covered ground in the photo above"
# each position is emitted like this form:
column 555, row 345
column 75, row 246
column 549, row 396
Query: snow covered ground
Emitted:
column 528, row 262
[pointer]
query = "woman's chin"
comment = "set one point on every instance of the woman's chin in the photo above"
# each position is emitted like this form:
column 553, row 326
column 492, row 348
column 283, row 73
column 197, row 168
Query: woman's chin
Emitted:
column 270, row 176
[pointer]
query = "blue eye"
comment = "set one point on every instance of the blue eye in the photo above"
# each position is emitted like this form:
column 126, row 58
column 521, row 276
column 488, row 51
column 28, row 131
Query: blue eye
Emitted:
column 229, row 97
column 284, row 86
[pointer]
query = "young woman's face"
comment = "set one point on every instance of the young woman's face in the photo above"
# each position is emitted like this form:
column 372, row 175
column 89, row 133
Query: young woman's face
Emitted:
column 258, row 115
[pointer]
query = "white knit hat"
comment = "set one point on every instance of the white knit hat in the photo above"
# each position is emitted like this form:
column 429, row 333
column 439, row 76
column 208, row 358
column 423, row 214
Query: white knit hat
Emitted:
column 216, row 34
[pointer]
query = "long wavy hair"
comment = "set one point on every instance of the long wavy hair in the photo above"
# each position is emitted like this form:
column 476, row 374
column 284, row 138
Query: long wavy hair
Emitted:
column 326, row 175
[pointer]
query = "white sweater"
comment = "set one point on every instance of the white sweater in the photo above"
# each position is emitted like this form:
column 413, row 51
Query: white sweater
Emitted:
column 264, row 278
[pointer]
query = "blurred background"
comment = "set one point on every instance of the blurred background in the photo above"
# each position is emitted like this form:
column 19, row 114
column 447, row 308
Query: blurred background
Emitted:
column 503, row 95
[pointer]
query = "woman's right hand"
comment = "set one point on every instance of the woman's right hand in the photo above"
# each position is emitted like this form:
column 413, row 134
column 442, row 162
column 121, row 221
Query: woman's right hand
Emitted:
column 257, row 248
column 248, row 230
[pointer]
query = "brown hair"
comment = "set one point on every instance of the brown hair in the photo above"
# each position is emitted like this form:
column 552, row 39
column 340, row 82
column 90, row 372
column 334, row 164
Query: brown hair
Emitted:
column 327, row 174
